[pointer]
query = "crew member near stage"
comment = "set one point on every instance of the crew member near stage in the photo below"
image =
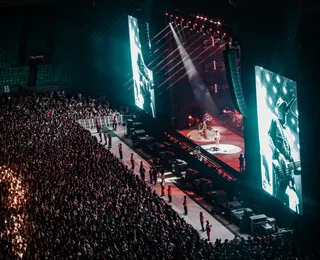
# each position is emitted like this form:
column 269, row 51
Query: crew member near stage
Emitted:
column 208, row 229
column 284, row 167
column 151, row 174
column 241, row 162
column 132, row 162
column 155, row 176
column 115, row 123
column 162, row 175
column 202, row 221
column 120, row 151
column 100, row 135
column 185, row 205
column 162, row 188
column 169, row 194
column 110, row 141
column 98, row 125
column 142, row 171
column 105, row 137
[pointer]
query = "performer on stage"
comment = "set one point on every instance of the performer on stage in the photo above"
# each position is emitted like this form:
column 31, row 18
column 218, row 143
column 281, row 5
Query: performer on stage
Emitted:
column 199, row 125
column 205, row 130
column 216, row 139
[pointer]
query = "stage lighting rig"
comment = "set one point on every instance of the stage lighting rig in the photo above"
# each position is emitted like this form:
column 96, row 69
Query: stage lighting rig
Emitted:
column 207, row 26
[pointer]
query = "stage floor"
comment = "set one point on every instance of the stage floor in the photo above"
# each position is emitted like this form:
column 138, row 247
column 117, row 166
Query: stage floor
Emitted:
column 231, row 144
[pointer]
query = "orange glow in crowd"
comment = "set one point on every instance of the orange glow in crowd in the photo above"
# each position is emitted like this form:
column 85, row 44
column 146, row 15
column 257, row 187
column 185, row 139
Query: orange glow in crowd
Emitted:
column 16, row 201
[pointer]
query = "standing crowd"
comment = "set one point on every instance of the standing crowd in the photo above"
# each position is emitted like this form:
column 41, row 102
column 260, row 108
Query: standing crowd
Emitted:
column 81, row 202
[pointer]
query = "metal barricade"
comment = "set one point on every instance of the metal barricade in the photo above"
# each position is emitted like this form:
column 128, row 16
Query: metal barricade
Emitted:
column 107, row 121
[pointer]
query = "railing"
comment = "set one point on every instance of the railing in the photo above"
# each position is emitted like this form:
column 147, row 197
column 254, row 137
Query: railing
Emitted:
column 105, row 121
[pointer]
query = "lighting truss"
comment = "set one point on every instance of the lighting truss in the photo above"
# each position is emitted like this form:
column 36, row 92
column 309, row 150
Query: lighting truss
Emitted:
column 201, row 24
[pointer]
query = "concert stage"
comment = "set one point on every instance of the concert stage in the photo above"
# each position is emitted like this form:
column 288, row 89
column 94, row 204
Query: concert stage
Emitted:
column 231, row 144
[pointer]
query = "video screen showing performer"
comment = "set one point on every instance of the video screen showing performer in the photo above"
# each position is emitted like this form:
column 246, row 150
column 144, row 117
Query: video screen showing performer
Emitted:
column 142, row 77
column 278, row 123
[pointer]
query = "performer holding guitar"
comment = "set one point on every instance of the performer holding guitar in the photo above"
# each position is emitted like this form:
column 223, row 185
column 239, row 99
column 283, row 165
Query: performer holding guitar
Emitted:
column 283, row 167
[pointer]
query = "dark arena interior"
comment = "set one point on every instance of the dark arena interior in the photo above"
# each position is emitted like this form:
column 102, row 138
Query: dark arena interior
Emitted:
column 141, row 129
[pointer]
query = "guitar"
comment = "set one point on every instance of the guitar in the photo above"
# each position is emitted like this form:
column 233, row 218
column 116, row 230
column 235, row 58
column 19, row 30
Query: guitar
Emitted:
column 284, row 169
column 283, row 172
column 281, row 169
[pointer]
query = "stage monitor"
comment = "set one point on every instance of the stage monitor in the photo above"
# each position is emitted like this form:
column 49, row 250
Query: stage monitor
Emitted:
column 278, row 123
column 143, row 84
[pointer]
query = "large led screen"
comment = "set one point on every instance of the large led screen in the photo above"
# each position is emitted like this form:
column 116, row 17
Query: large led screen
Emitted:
column 278, row 122
column 143, row 83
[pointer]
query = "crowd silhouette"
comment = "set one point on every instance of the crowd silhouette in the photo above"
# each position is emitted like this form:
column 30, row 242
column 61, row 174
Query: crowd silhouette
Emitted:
column 81, row 202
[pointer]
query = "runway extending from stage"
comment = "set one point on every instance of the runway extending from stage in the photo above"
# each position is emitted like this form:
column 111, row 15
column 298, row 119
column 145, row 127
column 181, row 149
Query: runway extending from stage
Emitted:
column 230, row 148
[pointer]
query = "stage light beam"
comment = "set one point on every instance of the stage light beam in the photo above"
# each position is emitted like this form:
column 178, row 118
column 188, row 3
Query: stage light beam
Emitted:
column 177, row 64
column 200, row 91
column 187, row 71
